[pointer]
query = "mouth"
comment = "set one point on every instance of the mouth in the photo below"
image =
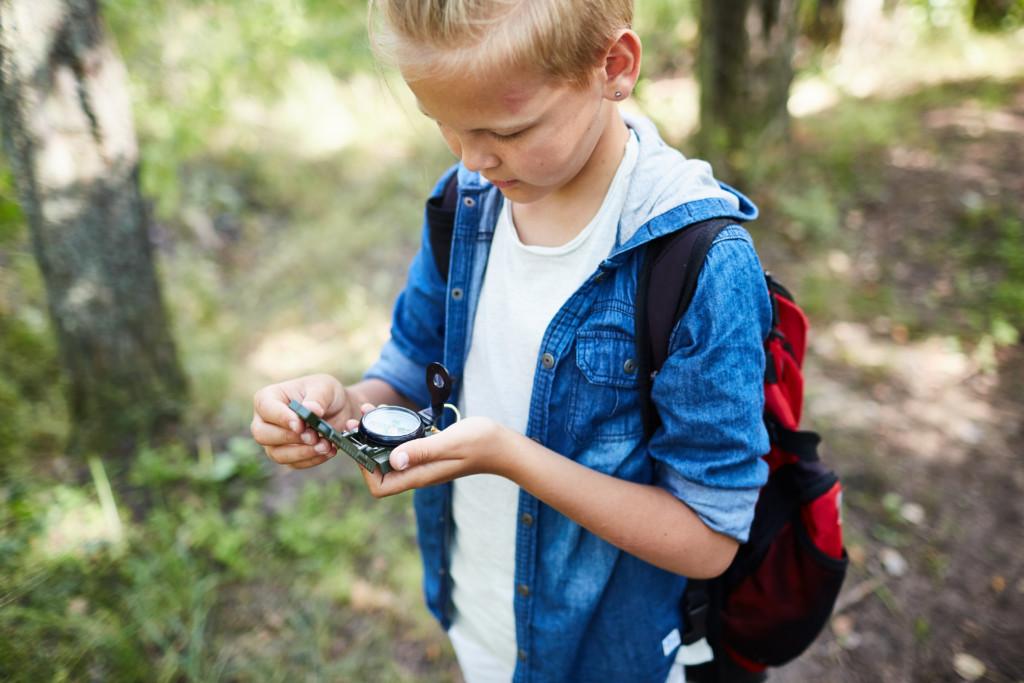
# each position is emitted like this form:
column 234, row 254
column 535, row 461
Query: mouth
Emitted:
column 502, row 184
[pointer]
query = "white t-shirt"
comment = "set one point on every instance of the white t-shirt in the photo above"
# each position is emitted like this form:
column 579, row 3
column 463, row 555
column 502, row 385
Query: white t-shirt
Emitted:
column 523, row 288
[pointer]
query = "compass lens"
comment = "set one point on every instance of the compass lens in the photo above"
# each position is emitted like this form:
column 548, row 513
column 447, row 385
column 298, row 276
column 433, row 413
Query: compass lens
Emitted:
column 391, row 423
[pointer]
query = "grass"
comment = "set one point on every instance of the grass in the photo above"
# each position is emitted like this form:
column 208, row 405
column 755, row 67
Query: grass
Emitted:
column 207, row 583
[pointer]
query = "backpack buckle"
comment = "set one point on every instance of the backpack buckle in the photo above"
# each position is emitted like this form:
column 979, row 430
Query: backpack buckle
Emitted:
column 696, row 617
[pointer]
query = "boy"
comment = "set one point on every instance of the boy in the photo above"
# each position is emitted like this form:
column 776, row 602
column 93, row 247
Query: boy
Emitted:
column 554, row 536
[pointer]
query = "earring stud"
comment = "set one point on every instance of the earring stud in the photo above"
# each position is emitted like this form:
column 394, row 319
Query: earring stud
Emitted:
column 618, row 94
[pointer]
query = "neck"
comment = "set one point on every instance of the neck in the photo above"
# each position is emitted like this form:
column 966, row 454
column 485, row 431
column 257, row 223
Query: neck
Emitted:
column 560, row 216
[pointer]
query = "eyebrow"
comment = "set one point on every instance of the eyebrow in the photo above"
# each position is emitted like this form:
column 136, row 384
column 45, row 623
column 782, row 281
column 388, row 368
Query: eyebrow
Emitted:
column 517, row 127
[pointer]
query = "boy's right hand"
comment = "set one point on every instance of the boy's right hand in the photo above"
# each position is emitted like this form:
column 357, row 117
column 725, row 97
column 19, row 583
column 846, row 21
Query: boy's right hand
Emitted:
column 283, row 435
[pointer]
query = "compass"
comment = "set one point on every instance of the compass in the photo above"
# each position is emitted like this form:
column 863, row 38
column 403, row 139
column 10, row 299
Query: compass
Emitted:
column 386, row 427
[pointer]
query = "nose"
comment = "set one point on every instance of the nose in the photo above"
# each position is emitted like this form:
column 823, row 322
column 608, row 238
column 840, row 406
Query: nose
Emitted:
column 476, row 157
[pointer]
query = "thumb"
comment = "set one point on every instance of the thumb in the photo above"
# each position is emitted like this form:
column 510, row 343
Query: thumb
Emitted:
column 316, row 406
column 410, row 454
column 326, row 397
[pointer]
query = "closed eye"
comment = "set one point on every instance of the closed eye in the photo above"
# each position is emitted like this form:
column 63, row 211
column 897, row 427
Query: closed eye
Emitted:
column 507, row 136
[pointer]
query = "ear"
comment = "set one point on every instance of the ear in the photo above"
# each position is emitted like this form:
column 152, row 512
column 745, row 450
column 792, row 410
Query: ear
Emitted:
column 622, row 65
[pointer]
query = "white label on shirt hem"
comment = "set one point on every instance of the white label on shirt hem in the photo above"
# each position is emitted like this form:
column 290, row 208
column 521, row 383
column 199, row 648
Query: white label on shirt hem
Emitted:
column 670, row 642
column 697, row 653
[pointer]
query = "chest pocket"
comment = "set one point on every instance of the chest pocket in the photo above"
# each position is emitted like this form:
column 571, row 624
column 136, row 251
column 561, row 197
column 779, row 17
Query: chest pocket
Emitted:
column 604, row 404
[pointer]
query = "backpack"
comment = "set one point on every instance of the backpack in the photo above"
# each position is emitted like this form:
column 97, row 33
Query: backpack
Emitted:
column 779, row 591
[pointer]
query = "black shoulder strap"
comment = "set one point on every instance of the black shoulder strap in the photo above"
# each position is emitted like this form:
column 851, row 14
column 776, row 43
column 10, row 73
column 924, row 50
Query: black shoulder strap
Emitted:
column 667, row 282
column 665, row 288
column 441, row 224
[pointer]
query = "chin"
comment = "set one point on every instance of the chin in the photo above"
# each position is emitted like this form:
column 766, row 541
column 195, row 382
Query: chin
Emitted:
column 524, row 194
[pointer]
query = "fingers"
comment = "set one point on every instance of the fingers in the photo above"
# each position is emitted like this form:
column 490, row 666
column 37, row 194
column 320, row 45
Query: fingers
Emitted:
column 271, row 437
column 312, row 462
column 395, row 482
column 416, row 452
column 293, row 455
column 271, row 405
column 285, row 438
column 267, row 434
column 352, row 423
column 322, row 394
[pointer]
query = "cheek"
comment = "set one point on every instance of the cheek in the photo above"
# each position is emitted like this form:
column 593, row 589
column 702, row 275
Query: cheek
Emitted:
column 452, row 141
column 565, row 152
column 549, row 158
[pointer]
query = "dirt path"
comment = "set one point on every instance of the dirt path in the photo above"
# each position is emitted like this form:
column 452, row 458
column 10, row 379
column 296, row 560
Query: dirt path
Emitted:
column 928, row 437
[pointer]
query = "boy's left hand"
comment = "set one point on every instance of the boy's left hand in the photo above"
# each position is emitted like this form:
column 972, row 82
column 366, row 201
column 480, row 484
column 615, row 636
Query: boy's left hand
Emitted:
column 471, row 446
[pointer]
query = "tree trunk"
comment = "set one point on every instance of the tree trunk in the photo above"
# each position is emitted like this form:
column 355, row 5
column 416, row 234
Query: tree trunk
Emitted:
column 70, row 140
column 746, row 49
column 991, row 15
column 822, row 22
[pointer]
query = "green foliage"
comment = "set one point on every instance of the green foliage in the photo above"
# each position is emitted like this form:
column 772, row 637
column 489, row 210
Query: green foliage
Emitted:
column 997, row 15
column 306, row 533
column 12, row 221
column 985, row 15
column 29, row 388
column 30, row 381
column 821, row 21
column 191, row 61
column 668, row 29
column 173, row 464
column 201, row 569
column 867, row 180
column 810, row 215
column 992, row 284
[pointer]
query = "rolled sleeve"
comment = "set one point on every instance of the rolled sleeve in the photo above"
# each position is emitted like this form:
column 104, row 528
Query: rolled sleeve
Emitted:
column 401, row 372
column 729, row 514
column 709, row 393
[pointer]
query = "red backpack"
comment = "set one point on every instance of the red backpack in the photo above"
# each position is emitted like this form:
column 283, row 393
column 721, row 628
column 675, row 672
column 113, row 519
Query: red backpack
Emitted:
column 779, row 591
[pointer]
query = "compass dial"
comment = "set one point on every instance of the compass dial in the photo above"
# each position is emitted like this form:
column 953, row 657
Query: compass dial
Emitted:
column 391, row 425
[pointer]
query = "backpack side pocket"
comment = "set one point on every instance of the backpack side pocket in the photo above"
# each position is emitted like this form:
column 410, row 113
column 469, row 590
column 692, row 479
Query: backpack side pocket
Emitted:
column 773, row 612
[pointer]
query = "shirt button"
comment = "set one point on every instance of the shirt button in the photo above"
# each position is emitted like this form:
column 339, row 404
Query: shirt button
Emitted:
column 457, row 293
column 629, row 366
column 527, row 519
column 522, row 655
column 524, row 590
column 548, row 361
column 469, row 201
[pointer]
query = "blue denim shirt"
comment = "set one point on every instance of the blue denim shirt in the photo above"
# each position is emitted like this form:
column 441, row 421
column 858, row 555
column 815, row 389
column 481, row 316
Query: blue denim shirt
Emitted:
column 586, row 610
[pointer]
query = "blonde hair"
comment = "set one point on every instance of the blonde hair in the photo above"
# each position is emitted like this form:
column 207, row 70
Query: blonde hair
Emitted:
column 564, row 39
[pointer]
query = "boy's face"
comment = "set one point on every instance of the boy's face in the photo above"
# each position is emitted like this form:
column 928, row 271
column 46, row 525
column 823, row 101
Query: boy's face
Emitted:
column 528, row 134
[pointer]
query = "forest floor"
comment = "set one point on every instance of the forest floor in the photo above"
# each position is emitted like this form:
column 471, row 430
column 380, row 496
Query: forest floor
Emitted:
column 926, row 436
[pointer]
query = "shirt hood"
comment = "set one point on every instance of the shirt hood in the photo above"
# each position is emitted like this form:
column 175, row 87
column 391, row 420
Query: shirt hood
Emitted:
column 669, row 191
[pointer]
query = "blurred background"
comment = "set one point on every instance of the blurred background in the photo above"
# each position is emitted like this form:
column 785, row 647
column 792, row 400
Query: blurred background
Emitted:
column 198, row 198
